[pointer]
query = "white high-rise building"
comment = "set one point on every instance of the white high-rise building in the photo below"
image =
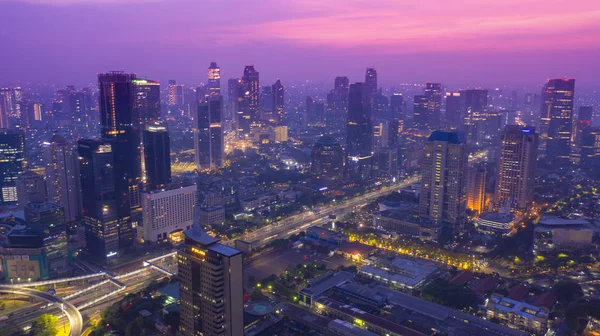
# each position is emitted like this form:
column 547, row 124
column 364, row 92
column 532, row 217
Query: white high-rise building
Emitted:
column 166, row 211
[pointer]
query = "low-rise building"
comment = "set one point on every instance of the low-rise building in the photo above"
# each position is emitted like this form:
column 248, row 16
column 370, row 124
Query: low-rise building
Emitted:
column 318, row 286
column 319, row 234
column 339, row 327
column 211, row 216
column 496, row 223
column 355, row 251
column 408, row 224
column 166, row 211
column 403, row 273
column 256, row 202
column 517, row 314
column 556, row 233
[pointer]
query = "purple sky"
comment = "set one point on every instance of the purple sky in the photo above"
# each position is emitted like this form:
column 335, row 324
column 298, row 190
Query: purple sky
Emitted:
column 476, row 42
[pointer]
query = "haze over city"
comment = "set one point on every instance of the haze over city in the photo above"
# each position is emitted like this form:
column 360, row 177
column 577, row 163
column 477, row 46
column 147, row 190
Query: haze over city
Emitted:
column 462, row 43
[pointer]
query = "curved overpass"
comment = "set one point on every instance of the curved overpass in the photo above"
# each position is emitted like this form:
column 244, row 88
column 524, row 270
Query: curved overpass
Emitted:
column 72, row 313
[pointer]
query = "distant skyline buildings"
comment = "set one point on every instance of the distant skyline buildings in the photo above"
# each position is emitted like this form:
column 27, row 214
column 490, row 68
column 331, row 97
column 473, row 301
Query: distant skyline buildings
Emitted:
column 556, row 120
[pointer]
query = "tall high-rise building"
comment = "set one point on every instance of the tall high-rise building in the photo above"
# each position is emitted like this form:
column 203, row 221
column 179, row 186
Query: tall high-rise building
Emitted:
column 146, row 100
column 31, row 187
column 62, row 174
column 327, row 160
column 12, row 162
column 476, row 189
column 336, row 116
column 420, row 112
column 208, row 134
column 590, row 148
column 175, row 94
column 397, row 107
column 516, row 167
column 121, row 122
column 214, row 79
column 584, row 121
column 235, row 96
column 211, row 288
column 157, row 155
column 371, row 79
column 359, row 132
column 433, row 92
column 556, row 117
column 278, row 102
column 475, row 114
column 443, row 197
column 105, row 199
column 266, row 103
column 454, row 110
column 381, row 105
column 6, row 107
column 250, row 99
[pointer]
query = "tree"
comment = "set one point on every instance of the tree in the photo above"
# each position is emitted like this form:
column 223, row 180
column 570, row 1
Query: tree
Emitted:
column 45, row 325
column 136, row 327
column 567, row 291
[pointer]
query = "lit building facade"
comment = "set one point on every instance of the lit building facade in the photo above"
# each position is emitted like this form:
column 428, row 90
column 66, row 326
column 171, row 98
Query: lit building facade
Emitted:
column 62, row 174
column 516, row 167
column 165, row 211
column 147, row 100
column 157, row 155
column 278, row 102
column 30, row 187
column 476, row 190
column 214, row 79
column 443, row 197
column 12, row 163
column 327, row 160
column 105, row 199
column 211, row 286
column 556, row 121
column 359, row 132
column 208, row 134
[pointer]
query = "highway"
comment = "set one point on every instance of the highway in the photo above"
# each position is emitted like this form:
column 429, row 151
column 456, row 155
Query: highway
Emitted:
column 72, row 313
column 316, row 216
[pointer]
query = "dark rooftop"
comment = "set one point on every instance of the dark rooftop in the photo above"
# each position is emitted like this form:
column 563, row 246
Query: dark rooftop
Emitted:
column 451, row 137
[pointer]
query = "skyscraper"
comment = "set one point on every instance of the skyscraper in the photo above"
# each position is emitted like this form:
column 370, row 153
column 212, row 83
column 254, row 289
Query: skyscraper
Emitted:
column 397, row 106
column 359, row 132
column 175, row 94
column 120, row 121
column 157, row 155
column 105, row 199
column 443, row 197
column 556, row 117
column 266, row 103
column 208, row 134
column 146, row 100
column 516, row 167
column 475, row 114
column 337, row 105
column 381, row 105
column 250, row 99
column 211, row 288
column 420, row 112
column 454, row 109
column 371, row 79
column 476, row 189
column 278, row 102
column 584, row 121
column 214, row 79
column 12, row 162
column 62, row 174
column 590, row 148
column 5, row 106
column 327, row 160
column 433, row 92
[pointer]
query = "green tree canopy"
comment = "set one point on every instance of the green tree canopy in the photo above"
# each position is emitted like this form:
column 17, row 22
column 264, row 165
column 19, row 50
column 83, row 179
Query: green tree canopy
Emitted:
column 45, row 325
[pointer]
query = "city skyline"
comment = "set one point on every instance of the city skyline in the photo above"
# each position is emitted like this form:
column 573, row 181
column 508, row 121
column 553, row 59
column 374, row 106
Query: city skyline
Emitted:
column 445, row 43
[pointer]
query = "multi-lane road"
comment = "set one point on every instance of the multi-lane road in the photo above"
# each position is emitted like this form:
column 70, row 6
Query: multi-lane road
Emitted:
column 319, row 215
column 72, row 313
